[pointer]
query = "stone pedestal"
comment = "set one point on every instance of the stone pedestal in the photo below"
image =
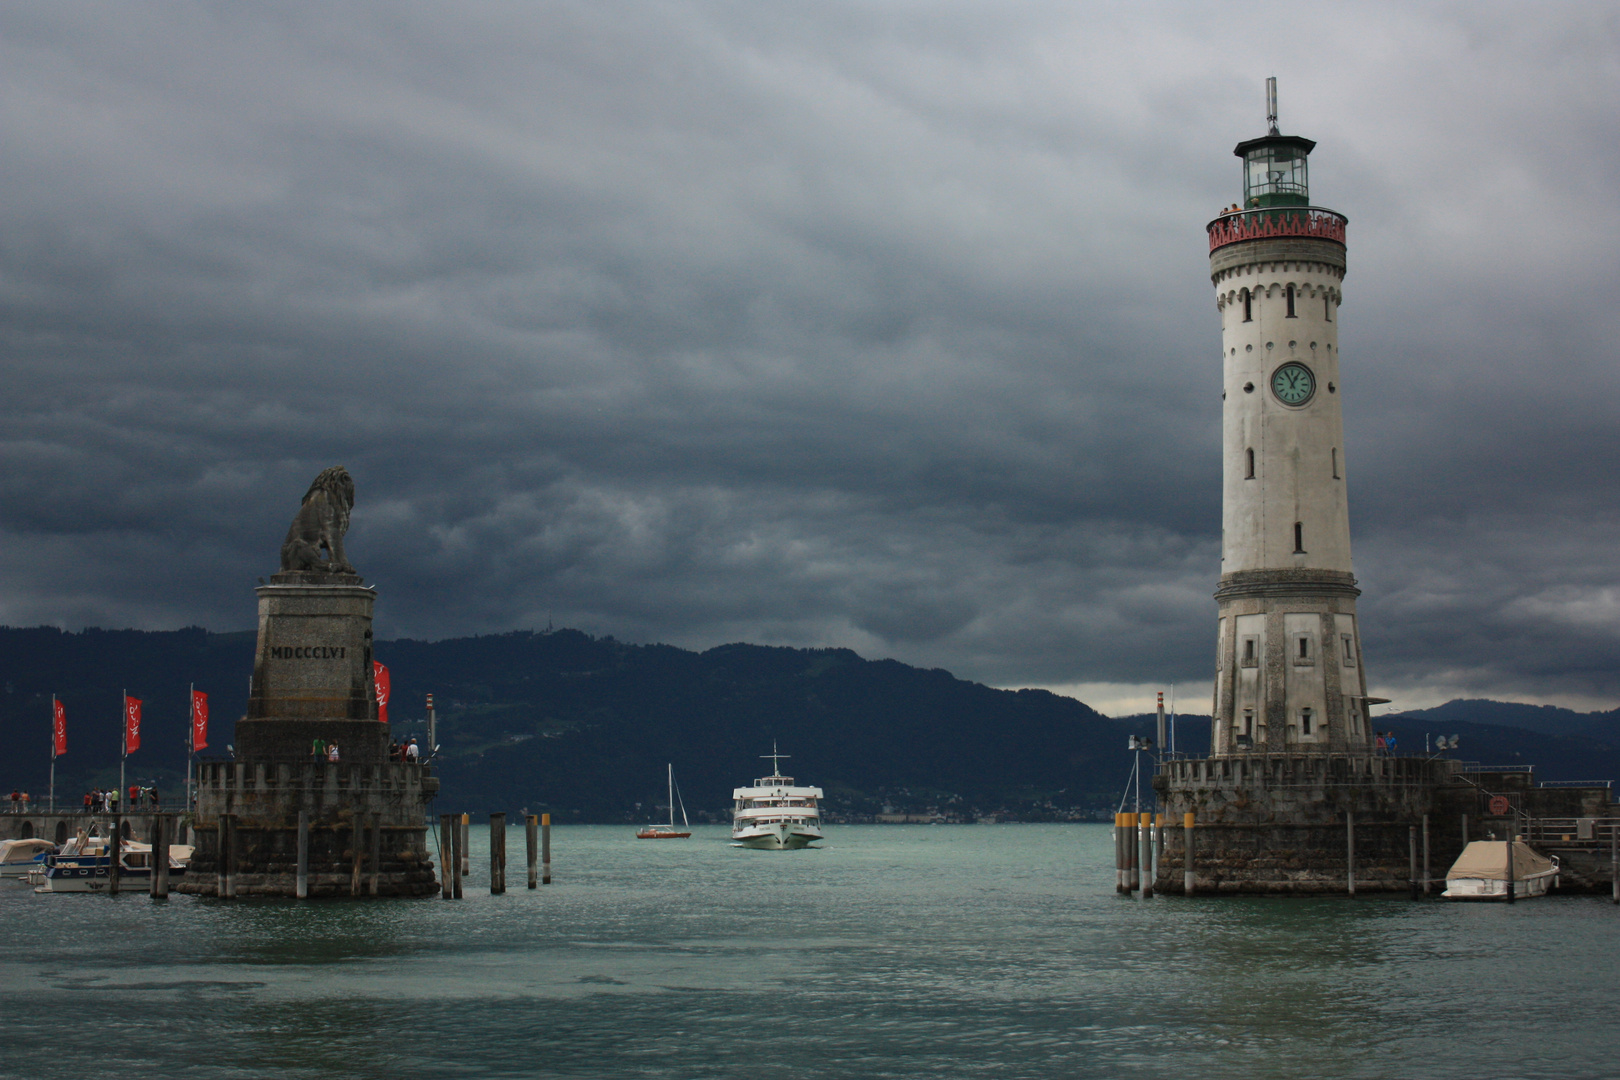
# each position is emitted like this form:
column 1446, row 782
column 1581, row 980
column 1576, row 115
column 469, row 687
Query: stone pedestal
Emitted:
column 312, row 680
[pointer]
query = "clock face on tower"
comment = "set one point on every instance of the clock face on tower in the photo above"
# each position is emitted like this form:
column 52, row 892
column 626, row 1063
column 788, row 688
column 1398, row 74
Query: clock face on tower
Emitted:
column 1293, row 383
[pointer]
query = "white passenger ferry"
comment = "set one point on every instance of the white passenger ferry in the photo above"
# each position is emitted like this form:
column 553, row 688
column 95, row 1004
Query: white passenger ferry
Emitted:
column 773, row 813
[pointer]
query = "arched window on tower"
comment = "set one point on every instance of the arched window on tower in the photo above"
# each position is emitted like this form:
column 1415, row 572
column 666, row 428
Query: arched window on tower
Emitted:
column 1291, row 314
column 1248, row 305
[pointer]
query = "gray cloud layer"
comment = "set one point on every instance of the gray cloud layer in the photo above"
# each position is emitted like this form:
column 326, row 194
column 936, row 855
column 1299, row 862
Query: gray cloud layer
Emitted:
column 878, row 325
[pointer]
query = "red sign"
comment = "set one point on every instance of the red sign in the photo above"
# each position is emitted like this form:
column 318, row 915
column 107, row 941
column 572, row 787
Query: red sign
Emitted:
column 58, row 729
column 132, row 724
column 1500, row 805
column 199, row 720
column 380, row 676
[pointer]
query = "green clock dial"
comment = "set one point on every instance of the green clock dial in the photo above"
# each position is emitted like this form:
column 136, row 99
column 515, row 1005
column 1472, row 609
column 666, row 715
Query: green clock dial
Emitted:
column 1293, row 384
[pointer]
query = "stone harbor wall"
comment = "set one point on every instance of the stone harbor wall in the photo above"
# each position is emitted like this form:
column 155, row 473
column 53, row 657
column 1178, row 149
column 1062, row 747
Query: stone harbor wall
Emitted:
column 367, row 831
column 1280, row 823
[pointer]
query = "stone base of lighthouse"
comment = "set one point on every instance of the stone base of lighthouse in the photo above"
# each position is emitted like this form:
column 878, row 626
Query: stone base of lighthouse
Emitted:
column 1300, row 823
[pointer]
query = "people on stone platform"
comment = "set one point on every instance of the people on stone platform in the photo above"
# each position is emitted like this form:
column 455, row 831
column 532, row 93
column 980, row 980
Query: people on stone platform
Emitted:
column 412, row 753
column 1380, row 747
column 317, row 749
column 332, row 752
column 152, row 793
column 15, row 795
column 1389, row 741
column 89, row 802
column 112, row 800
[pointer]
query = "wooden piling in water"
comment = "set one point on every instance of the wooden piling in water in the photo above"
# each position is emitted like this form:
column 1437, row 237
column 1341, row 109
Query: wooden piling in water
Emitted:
column 447, row 854
column 1411, row 859
column 497, row 853
column 458, row 827
column 160, row 856
column 115, row 853
column 1350, row 852
column 545, row 849
column 531, row 836
column 357, row 848
column 1426, row 875
column 1122, row 876
column 1614, row 858
column 227, row 824
column 1465, row 829
column 1187, row 878
column 376, row 855
column 301, row 888
column 464, row 846
column 1144, row 853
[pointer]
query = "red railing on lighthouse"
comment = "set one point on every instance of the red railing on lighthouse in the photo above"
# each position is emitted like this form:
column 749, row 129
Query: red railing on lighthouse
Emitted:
column 1311, row 221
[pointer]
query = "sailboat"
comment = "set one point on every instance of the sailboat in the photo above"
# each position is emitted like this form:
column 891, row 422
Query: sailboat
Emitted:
column 669, row 832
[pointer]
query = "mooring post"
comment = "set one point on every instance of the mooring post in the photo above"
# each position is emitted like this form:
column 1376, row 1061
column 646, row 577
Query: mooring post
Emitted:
column 1465, row 830
column 115, row 854
column 464, row 846
column 357, row 850
column 222, row 840
column 1122, row 876
column 1187, row 853
column 1160, row 826
column 1510, row 857
column 1411, row 859
column 531, row 834
column 545, row 849
column 1426, row 876
column 458, row 824
column 160, row 855
column 1144, row 837
column 376, row 855
column 1614, row 857
column 447, row 853
column 301, row 889
column 1350, row 852
column 227, row 822
column 497, row 853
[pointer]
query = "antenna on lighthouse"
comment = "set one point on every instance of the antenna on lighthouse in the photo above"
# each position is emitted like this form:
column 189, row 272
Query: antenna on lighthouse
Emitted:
column 1271, row 104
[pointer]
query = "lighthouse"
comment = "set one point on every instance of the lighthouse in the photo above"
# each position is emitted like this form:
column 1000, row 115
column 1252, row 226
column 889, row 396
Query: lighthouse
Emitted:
column 1289, row 674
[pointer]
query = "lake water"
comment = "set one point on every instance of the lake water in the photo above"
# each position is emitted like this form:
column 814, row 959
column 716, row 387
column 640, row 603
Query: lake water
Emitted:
column 893, row 951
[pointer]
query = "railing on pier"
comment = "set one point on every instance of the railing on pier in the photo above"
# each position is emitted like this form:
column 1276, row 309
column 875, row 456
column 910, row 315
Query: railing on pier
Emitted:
column 1277, row 221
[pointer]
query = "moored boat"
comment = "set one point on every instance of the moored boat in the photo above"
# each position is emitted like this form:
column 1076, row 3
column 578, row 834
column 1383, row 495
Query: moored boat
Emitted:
column 84, row 865
column 1481, row 872
column 775, row 814
column 18, row 857
column 668, row 832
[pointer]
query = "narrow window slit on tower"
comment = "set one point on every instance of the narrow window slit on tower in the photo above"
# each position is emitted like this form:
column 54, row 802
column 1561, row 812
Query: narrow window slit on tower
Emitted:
column 1304, row 648
column 1335, row 464
column 1304, row 721
column 1248, row 305
column 1291, row 302
column 1251, row 464
column 1327, row 308
column 1299, row 538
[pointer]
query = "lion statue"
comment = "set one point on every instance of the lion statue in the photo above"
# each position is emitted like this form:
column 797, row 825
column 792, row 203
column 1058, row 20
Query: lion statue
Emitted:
column 321, row 522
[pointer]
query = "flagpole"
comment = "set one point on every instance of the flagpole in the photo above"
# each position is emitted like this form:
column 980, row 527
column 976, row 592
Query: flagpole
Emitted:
column 53, row 753
column 191, row 742
column 123, row 742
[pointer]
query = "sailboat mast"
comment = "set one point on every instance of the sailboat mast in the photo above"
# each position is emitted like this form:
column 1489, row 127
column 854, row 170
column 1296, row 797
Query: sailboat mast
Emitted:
column 671, row 768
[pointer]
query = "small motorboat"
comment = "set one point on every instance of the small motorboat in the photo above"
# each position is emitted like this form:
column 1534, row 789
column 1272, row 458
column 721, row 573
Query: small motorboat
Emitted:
column 1481, row 872
column 668, row 832
column 18, row 857
column 84, row 864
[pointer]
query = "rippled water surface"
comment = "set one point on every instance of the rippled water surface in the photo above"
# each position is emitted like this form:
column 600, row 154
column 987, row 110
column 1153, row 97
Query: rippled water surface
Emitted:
column 893, row 951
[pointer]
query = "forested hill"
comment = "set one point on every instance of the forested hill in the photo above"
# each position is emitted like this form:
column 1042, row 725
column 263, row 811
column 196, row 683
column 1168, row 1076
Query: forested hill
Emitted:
column 583, row 726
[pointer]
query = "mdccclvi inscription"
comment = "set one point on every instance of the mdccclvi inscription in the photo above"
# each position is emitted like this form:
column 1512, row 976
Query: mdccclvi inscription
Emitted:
column 309, row 652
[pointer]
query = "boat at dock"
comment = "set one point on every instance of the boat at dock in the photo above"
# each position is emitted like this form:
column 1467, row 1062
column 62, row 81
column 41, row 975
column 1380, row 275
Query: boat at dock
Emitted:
column 84, row 865
column 19, row 857
column 1480, row 872
column 774, row 814
column 669, row 832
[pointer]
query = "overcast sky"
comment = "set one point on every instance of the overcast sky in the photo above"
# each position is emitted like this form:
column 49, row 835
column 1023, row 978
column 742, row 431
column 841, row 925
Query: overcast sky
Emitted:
column 879, row 325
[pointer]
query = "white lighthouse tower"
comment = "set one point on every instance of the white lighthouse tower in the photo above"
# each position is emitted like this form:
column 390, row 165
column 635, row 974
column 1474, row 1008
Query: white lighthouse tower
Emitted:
column 1289, row 677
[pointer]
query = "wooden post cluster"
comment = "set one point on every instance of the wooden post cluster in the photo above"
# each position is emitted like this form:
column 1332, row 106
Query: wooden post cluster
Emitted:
column 160, row 855
column 531, row 836
column 1144, row 853
column 447, row 855
column 464, row 848
column 1122, row 876
column 497, row 853
column 545, row 849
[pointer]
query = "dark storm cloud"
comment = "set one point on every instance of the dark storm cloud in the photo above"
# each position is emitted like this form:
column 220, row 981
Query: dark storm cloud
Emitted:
column 877, row 325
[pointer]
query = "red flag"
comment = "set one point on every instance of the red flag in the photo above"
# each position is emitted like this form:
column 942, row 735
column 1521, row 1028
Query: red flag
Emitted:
column 380, row 675
column 59, row 723
column 199, row 720
column 132, row 724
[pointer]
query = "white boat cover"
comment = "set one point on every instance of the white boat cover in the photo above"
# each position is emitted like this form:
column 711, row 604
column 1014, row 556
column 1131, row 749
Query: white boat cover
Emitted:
column 20, row 851
column 1487, row 861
